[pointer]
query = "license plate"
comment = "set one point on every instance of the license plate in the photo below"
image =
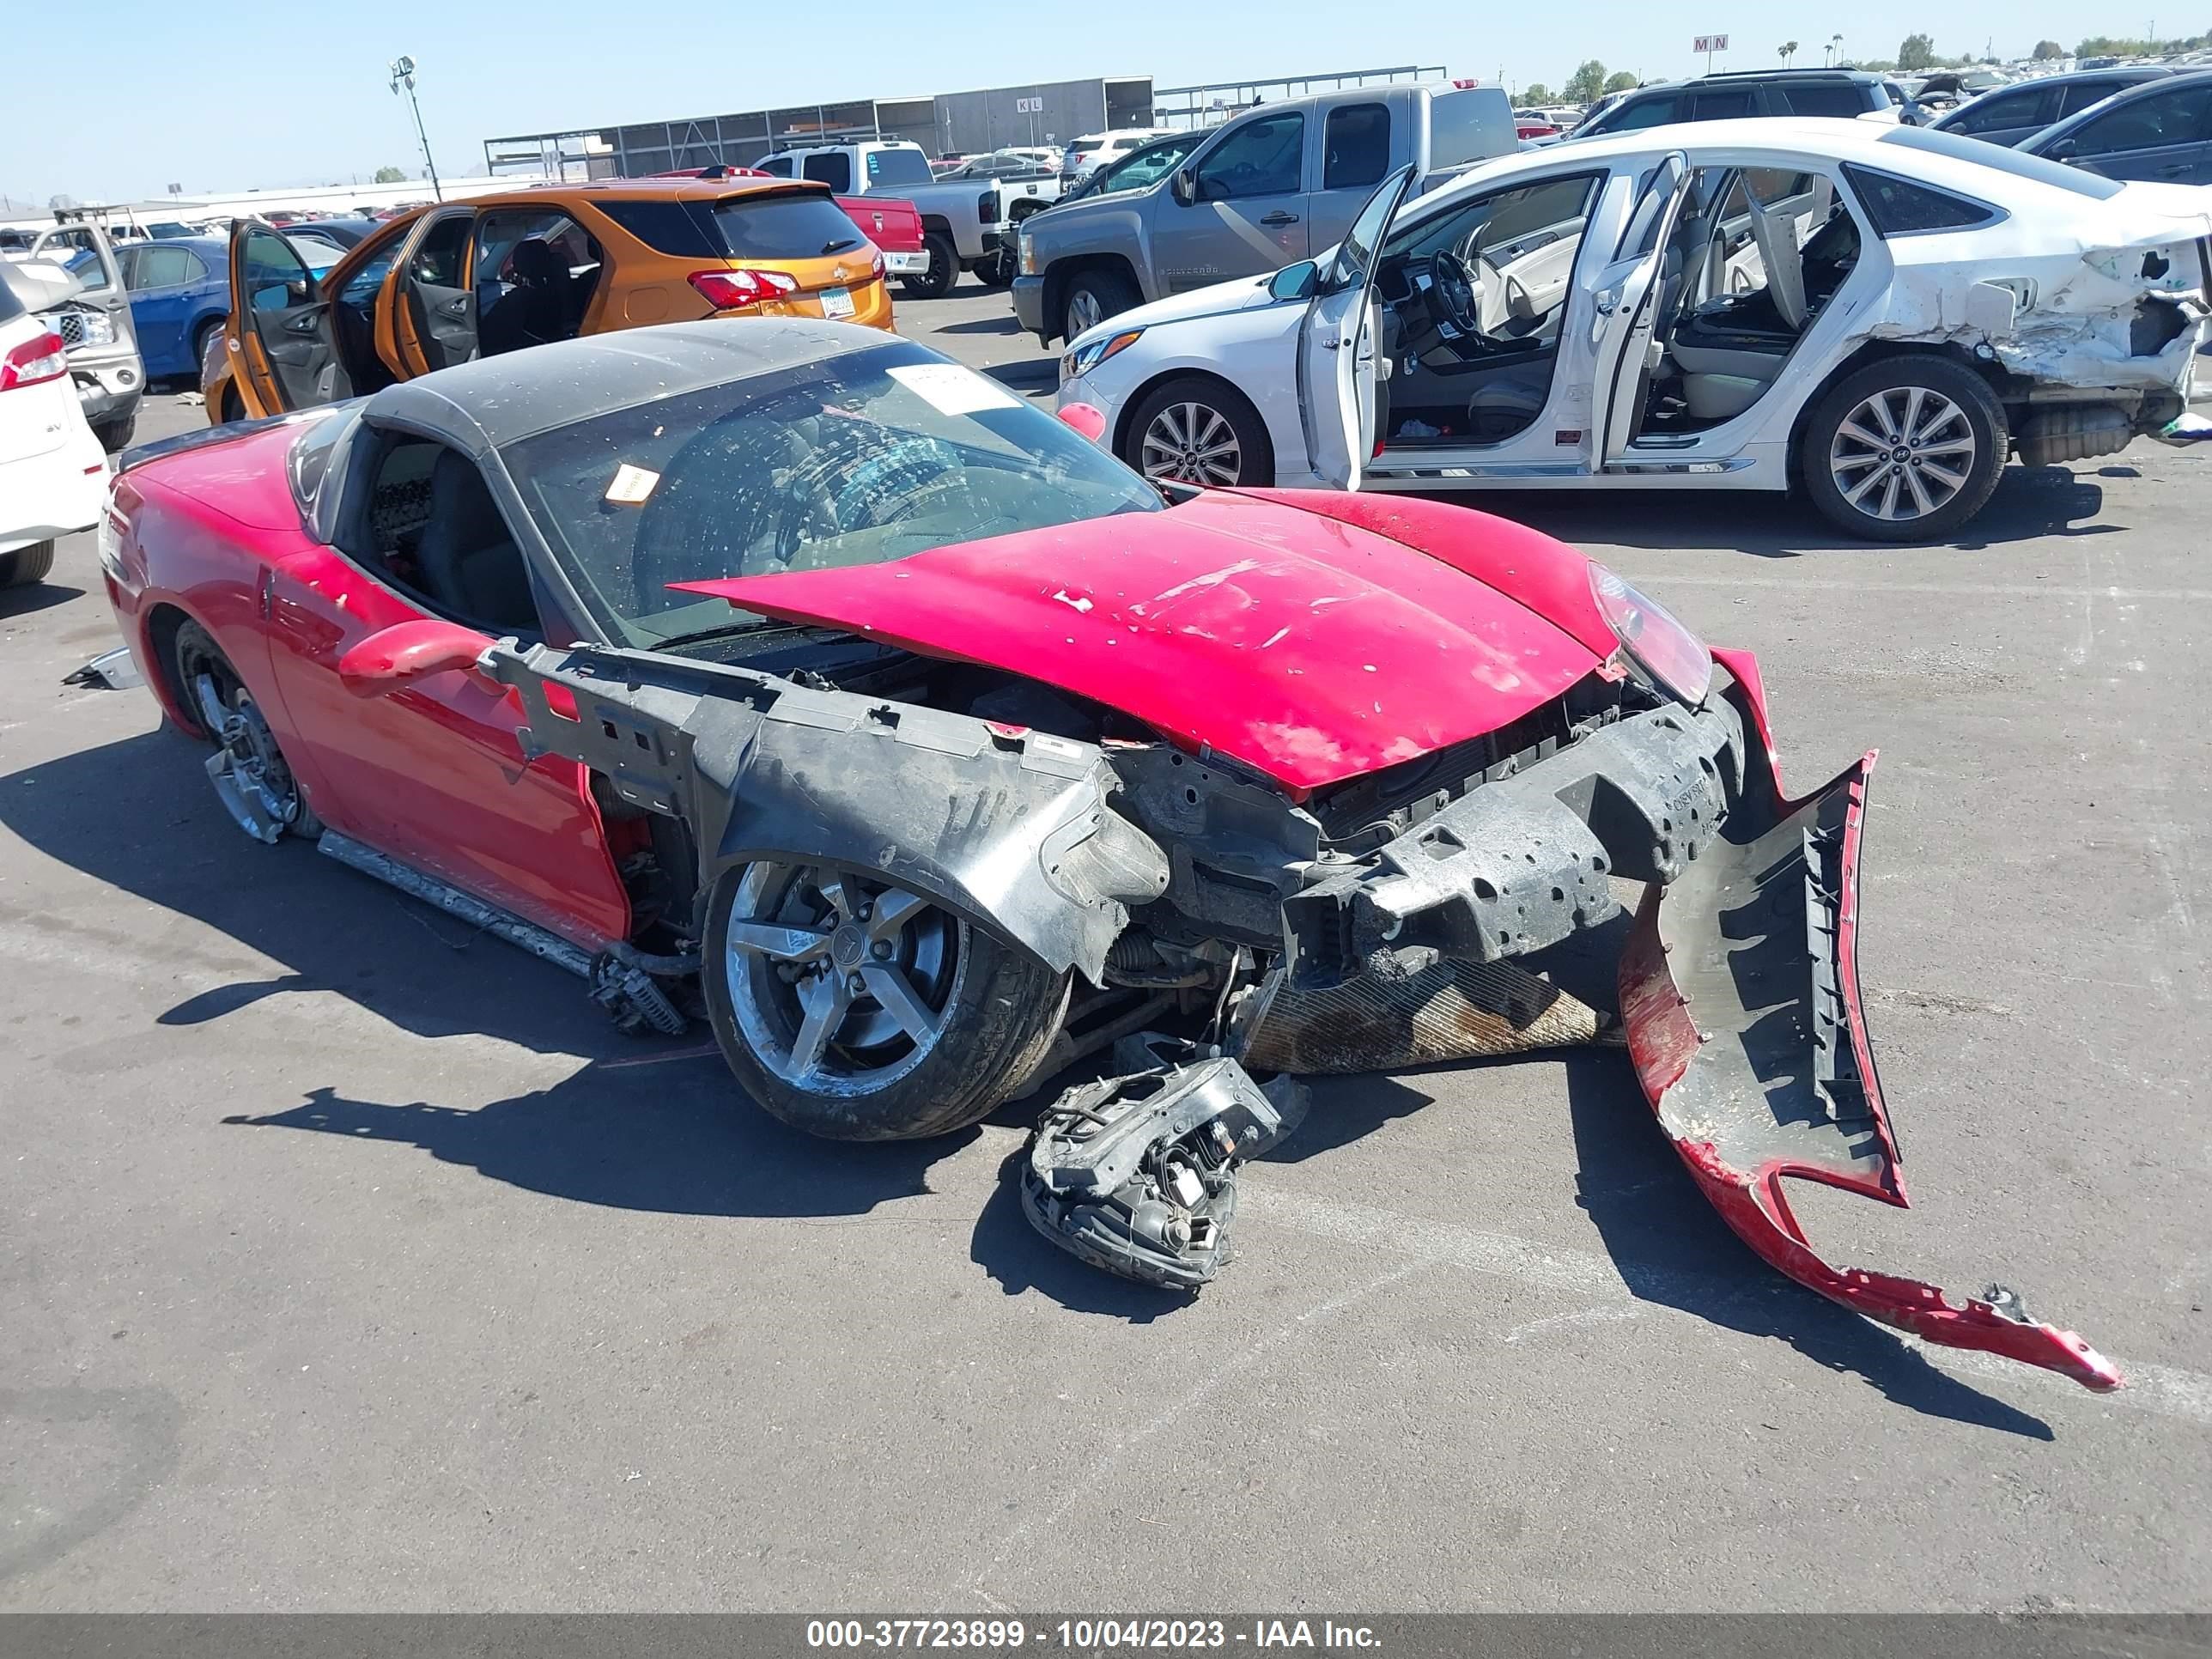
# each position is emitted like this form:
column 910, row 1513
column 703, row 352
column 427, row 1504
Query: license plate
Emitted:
column 836, row 302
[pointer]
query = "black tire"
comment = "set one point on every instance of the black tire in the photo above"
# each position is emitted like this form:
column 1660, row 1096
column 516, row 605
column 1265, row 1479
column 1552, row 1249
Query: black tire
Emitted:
column 115, row 435
column 1110, row 291
column 1890, row 478
column 996, row 269
column 999, row 1012
column 944, row 269
column 193, row 652
column 233, row 406
column 26, row 565
column 1255, row 455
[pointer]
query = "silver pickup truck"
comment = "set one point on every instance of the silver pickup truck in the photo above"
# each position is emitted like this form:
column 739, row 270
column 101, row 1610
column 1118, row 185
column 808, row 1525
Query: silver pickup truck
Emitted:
column 960, row 217
column 1277, row 184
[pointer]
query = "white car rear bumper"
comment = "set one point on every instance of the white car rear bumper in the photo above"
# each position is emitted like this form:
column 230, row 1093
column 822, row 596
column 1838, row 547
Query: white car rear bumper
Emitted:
column 56, row 494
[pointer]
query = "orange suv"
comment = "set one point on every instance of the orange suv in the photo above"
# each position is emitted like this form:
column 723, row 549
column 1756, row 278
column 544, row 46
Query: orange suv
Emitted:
column 454, row 281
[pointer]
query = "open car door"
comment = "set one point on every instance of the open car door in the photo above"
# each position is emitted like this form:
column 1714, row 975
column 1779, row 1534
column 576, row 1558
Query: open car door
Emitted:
column 1626, row 325
column 287, row 345
column 433, row 308
column 1338, row 378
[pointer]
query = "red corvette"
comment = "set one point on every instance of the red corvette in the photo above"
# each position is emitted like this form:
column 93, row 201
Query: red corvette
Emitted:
column 807, row 680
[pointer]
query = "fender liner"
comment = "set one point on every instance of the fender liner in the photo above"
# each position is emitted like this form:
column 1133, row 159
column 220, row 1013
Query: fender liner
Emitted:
column 1012, row 828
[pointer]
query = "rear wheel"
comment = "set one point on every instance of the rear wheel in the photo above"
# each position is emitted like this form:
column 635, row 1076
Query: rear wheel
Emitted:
column 115, row 435
column 1092, row 297
column 1196, row 430
column 858, row 1011
column 26, row 565
column 996, row 269
column 944, row 269
column 1907, row 449
column 248, row 770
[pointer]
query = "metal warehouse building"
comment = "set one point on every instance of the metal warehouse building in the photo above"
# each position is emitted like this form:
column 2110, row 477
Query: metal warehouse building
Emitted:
column 1046, row 113
column 947, row 122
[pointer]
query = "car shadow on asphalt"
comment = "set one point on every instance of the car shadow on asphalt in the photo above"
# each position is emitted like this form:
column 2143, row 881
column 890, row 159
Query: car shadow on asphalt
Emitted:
column 1671, row 1249
column 38, row 595
column 2030, row 502
column 1008, row 323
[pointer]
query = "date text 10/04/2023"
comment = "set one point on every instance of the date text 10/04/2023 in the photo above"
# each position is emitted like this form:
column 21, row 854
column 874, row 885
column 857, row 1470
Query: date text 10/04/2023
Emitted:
column 1086, row 1635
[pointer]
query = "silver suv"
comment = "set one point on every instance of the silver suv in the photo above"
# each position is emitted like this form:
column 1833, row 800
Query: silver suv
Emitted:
column 92, row 316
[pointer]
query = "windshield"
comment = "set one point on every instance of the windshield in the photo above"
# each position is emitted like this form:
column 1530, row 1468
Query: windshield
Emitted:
column 858, row 459
column 2004, row 160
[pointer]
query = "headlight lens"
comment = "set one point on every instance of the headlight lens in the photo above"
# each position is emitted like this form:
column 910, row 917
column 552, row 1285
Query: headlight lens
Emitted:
column 1665, row 655
column 1025, row 250
column 1084, row 358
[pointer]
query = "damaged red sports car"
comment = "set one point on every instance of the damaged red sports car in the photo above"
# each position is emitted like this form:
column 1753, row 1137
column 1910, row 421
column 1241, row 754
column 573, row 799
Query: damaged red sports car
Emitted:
column 809, row 682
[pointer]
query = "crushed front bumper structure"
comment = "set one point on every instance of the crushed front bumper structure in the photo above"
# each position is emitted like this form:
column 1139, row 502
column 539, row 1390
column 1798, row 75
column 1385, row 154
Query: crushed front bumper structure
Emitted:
column 1740, row 994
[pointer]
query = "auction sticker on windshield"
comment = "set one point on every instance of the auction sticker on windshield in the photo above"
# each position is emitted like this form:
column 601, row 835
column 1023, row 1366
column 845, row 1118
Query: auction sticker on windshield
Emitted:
column 836, row 302
column 631, row 485
column 952, row 390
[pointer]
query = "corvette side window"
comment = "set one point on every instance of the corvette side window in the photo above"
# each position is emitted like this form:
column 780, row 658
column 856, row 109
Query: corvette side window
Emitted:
column 433, row 529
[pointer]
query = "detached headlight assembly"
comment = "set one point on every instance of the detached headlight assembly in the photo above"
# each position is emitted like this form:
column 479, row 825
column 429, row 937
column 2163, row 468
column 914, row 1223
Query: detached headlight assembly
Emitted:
column 1084, row 359
column 1662, row 653
column 1024, row 250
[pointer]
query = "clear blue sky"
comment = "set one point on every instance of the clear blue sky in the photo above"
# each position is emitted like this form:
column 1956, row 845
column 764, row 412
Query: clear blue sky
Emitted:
column 219, row 96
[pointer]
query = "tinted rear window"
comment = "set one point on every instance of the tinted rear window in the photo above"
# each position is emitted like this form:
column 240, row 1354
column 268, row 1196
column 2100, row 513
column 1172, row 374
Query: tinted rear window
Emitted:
column 1900, row 207
column 897, row 167
column 10, row 306
column 784, row 227
column 794, row 227
column 1846, row 102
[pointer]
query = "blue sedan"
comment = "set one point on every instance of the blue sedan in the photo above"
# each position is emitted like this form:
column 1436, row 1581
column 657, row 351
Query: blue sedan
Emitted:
column 180, row 293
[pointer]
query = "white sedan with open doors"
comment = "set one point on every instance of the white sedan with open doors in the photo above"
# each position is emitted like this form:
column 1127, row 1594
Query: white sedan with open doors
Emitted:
column 1880, row 315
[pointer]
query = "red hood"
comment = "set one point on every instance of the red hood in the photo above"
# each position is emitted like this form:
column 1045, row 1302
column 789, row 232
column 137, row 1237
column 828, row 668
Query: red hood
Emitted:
column 1308, row 649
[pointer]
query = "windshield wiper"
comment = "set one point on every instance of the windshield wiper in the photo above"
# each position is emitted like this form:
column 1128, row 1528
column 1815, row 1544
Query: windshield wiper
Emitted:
column 839, row 248
column 702, row 636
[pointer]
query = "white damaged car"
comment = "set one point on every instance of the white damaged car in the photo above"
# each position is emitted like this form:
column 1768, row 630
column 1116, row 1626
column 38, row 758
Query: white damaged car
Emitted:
column 1880, row 315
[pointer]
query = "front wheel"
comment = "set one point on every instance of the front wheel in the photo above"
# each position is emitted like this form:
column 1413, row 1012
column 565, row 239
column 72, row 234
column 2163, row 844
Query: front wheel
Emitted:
column 115, row 435
column 1907, row 449
column 1198, row 431
column 252, row 777
column 944, row 269
column 858, row 1011
column 996, row 269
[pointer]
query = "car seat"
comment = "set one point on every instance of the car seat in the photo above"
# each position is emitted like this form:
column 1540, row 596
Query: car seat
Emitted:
column 537, row 310
column 471, row 565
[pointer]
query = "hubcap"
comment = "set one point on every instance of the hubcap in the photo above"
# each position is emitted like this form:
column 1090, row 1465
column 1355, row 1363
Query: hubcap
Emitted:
column 839, row 985
column 1903, row 454
column 1084, row 312
column 1192, row 443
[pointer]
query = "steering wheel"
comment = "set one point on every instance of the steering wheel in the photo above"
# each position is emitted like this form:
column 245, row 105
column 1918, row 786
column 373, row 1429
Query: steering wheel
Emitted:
column 1453, row 288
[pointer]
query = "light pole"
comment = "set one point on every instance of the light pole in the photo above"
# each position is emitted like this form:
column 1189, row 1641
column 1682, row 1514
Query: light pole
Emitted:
column 403, row 75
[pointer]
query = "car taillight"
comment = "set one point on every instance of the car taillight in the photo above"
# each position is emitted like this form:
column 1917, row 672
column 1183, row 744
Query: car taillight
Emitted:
column 43, row 357
column 987, row 207
column 727, row 290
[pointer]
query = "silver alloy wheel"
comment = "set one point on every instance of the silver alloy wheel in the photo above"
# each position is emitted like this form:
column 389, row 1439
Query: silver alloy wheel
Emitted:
column 248, row 770
column 1192, row 443
column 839, row 985
column 1084, row 312
column 1903, row 454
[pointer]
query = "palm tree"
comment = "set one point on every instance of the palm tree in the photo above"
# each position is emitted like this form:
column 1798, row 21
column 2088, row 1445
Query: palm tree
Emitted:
column 1789, row 52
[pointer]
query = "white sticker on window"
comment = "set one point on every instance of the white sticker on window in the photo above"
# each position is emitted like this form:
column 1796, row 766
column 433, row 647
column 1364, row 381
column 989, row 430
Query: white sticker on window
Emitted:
column 632, row 485
column 952, row 390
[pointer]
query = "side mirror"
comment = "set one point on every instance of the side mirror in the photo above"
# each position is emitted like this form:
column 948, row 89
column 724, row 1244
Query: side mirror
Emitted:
column 395, row 658
column 1295, row 281
column 1184, row 184
column 1086, row 419
column 2064, row 151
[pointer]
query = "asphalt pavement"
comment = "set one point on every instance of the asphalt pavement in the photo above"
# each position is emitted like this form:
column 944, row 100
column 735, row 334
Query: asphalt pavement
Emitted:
column 348, row 1260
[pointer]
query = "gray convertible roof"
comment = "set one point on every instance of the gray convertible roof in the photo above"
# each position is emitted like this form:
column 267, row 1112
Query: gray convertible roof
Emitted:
column 495, row 401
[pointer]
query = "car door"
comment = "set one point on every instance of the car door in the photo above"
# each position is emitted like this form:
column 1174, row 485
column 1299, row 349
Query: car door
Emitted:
column 1337, row 367
column 435, row 774
column 164, row 282
column 1626, row 297
column 288, row 348
column 2006, row 118
column 434, row 308
column 1355, row 148
column 2160, row 136
column 1237, row 208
